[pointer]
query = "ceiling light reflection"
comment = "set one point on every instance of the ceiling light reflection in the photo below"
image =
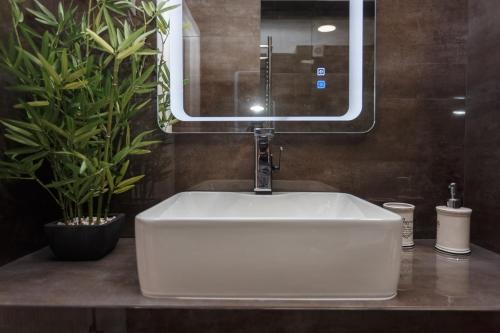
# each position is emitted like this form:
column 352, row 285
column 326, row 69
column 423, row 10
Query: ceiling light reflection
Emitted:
column 327, row 28
column 257, row 108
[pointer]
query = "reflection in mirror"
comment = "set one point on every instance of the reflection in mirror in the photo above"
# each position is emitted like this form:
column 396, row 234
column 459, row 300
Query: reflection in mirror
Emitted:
column 297, row 66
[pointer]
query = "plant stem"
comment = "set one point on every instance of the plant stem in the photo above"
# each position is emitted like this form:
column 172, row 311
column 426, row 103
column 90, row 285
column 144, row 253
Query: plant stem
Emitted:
column 14, row 25
column 88, row 25
column 79, row 211
column 91, row 210
column 71, row 213
column 109, row 127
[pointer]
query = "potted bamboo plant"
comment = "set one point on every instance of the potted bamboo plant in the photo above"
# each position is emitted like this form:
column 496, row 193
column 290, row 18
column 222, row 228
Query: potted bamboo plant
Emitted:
column 81, row 75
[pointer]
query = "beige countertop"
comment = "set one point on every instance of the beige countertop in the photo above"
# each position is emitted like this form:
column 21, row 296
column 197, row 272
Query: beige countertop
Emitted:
column 429, row 281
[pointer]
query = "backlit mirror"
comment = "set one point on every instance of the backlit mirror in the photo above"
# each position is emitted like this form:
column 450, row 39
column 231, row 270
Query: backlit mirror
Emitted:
column 297, row 66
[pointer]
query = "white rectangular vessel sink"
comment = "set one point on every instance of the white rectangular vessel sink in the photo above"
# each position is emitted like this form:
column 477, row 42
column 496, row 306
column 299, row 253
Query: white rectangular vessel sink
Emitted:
column 280, row 246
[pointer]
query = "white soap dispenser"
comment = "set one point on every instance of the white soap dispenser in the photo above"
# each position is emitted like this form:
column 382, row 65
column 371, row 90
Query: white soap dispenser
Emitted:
column 453, row 225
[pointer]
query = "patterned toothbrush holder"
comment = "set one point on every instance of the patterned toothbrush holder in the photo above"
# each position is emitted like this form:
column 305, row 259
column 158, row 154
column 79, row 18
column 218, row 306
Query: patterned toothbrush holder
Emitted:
column 406, row 211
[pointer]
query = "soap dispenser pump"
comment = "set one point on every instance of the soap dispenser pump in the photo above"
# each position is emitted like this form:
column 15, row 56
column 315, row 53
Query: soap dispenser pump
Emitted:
column 453, row 202
column 453, row 225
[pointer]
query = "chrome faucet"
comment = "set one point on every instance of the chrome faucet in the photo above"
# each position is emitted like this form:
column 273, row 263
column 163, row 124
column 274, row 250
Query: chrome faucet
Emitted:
column 264, row 166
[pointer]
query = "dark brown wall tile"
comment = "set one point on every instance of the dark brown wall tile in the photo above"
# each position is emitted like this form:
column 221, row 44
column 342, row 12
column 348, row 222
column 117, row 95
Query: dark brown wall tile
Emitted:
column 482, row 158
column 24, row 207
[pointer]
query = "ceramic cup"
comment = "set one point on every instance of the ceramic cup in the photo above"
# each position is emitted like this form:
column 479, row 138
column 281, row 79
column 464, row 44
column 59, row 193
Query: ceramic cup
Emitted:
column 406, row 212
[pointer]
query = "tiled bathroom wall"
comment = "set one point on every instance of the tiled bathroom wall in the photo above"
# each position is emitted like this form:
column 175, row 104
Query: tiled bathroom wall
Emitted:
column 482, row 157
column 24, row 207
column 414, row 151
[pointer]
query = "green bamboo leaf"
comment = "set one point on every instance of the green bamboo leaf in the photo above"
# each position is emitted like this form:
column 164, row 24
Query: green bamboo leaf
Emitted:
column 28, row 55
column 166, row 9
column 83, row 167
column 24, row 125
column 26, row 88
column 87, row 135
column 77, row 155
column 75, row 85
column 60, row 10
column 126, row 29
column 10, row 165
column 117, row 10
column 46, row 45
column 34, row 104
column 131, row 38
column 143, row 104
column 108, row 60
column 146, row 144
column 50, row 69
column 119, row 36
column 55, row 128
column 22, row 140
column 139, row 152
column 76, row 75
column 146, row 75
column 141, row 136
column 28, row 35
column 121, row 155
column 28, row 30
column 101, row 41
column 16, row 12
column 21, row 151
column 42, row 138
column 42, row 18
column 64, row 62
column 142, row 38
column 123, row 171
column 127, row 96
column 147, row 8
column 127, row 136
column 61, row 183
column 87, row 128
column 46, row 11
column 143, row 91
column 123, row 189
column 17, row 129
column 109, row 179
column 129, row 181
column 149, row 52
column 111, row 28
column 129, row 51
column 85, row 188
column 34, row 167
column 86, row 198
column 36, row 156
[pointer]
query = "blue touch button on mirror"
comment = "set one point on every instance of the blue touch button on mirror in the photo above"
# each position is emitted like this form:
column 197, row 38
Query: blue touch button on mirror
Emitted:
column 321, row 84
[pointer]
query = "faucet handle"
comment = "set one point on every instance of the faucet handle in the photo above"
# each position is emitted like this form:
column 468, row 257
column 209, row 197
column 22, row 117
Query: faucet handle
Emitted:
column 278, row 166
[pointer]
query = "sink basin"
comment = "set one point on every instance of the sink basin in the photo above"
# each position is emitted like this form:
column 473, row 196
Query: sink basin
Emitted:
column 281, row 246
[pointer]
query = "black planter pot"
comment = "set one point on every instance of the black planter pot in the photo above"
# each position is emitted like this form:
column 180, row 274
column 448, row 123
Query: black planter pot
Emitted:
column 84, row 242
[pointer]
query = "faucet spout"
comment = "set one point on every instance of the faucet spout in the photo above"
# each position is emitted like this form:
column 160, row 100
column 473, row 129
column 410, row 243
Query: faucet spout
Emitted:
column 264, row 166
